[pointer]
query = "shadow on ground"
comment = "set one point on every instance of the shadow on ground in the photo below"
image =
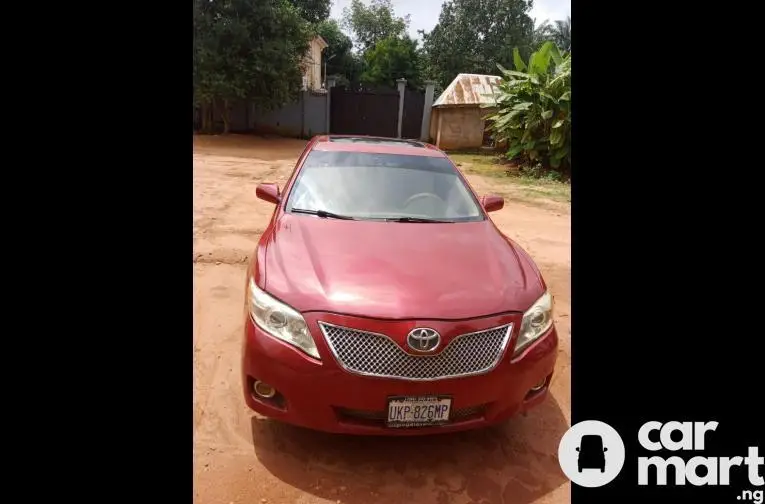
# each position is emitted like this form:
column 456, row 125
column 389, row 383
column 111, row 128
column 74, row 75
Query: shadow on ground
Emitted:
column 512, row 462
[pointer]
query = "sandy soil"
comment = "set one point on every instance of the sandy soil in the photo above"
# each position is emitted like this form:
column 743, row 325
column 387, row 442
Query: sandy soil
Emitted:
column 242, row 458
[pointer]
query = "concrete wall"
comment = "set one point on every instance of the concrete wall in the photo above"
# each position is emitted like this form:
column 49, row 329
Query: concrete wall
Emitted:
column 315, row 114
column 433, row 130
column 458, row 127
column 304, row 118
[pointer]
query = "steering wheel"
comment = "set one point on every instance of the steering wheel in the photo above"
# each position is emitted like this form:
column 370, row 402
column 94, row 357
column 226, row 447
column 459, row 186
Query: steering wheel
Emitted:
column 423, row 195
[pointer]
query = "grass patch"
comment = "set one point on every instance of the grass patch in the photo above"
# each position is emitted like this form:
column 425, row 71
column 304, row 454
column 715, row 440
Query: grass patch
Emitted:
column 492, row 166
column 488, row 165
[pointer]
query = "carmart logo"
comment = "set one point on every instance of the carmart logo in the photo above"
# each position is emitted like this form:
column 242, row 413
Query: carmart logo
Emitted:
column 692, row 437
column 591, row 454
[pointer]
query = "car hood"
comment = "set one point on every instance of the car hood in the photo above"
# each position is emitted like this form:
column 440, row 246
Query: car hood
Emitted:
column 397, row 270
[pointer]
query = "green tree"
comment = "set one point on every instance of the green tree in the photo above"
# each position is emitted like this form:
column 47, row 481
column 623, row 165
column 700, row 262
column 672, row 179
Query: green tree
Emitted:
column 372, row 23
column 559, row 33
column 543, row 32
column 339, row 58
column 391, row 59
column 473, row 36
column 246, row 50
column 562, row 34
column 313, row 11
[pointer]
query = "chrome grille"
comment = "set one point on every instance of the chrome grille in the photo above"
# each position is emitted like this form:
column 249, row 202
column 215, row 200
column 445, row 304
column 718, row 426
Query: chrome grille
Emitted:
column 372, row 354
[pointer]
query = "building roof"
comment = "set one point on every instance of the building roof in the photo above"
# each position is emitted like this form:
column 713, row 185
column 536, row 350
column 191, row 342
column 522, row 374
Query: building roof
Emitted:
column 469, row 89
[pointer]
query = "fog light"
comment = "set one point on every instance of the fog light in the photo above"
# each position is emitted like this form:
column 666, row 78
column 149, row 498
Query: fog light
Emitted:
column 539, row 386
column 263, row 390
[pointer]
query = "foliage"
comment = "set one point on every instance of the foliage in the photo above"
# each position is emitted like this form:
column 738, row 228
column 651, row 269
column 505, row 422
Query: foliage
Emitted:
column 534, row 108
column 373, row 23
column 559, row 33
column 542, row 33
column 474, row 36
column 385, row 51
column 246, row 49
column 313, row 11
column 339, row 58
column 391, row 59
column 562, row 34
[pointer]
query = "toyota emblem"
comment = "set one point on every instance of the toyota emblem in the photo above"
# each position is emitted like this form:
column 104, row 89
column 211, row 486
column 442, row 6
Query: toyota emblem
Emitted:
column 423, row 339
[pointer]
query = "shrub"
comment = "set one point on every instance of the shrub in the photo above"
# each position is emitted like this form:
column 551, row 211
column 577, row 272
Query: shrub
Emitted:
column 534, row 108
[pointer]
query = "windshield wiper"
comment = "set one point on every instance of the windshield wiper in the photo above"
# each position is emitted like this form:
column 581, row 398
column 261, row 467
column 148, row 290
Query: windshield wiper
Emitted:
column 322, row 213
column 417, row 219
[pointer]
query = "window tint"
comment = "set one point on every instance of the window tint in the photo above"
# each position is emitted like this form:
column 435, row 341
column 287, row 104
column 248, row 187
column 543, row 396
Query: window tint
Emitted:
column 379, row 186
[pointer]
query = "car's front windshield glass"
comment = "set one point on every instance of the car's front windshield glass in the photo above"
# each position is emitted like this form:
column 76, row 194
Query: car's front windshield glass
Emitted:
column 591, row 442
column 382, row 186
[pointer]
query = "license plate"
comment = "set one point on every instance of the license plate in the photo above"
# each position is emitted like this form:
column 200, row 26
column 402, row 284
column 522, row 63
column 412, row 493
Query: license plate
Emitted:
column 418, row 411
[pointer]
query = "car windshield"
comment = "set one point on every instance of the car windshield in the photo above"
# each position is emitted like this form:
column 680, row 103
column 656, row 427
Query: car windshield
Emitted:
column 592, row 443
column 372, row 186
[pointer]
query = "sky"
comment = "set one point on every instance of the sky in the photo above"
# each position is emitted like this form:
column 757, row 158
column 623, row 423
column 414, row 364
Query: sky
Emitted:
column 425, row 12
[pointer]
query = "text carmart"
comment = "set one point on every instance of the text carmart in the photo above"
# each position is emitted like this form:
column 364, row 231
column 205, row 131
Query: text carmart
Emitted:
column 655, row 436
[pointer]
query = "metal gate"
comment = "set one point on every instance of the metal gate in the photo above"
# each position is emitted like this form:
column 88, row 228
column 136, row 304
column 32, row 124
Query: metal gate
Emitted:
column 364, row 111
column 411, row 123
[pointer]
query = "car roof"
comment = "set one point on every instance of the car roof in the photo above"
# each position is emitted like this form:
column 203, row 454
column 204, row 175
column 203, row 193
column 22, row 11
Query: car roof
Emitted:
column 375, row 145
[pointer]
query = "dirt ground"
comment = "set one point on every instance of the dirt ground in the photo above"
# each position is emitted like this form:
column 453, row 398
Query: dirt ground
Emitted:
column 240, row 457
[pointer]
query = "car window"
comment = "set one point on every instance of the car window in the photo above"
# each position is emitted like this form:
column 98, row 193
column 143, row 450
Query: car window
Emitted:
column 379, row 186
column 591, row 443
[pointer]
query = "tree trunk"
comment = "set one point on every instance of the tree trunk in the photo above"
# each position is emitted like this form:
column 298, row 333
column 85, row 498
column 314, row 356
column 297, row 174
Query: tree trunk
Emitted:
column 206, row 118
column 226, row 117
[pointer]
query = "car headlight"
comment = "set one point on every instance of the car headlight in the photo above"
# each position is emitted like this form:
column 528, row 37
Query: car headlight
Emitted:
column 279, row 320
column 536, row 321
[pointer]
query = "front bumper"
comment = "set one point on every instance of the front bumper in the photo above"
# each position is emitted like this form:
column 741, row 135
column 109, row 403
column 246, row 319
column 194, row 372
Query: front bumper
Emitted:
column 323, row 396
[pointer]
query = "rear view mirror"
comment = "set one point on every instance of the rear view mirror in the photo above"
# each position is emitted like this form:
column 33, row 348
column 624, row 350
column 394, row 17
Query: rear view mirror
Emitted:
column 492, row 203
column 268, row 192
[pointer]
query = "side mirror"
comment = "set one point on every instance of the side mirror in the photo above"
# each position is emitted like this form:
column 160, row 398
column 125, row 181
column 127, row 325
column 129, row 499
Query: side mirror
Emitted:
column 268, row 192
column 492, row 203
column 577, row 448
column 605, row 449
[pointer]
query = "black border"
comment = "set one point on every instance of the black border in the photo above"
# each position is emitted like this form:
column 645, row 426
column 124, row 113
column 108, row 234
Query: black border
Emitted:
column 113, row 199
column 663, row 241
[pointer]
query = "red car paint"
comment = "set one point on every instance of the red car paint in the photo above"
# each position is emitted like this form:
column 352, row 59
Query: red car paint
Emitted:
column 389, row 278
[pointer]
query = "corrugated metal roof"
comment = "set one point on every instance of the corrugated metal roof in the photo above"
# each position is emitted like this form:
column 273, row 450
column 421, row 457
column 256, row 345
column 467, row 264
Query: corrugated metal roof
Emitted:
column 469, row 89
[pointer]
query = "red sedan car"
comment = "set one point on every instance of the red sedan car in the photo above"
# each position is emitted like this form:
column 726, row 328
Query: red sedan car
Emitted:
column 382, row 299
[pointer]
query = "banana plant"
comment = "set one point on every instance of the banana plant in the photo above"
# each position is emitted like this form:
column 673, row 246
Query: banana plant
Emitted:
column 533, row 107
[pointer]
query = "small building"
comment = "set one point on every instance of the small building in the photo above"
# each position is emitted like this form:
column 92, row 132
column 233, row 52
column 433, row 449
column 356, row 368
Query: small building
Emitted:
column 312, row 79
column 457, row 118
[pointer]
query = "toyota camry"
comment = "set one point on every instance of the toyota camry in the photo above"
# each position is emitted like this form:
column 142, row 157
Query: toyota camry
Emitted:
column 382, row 299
